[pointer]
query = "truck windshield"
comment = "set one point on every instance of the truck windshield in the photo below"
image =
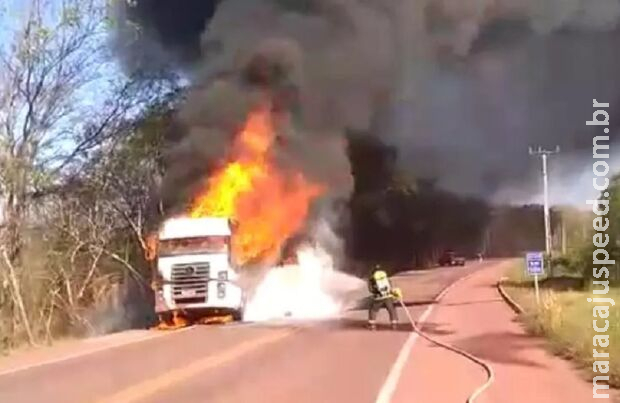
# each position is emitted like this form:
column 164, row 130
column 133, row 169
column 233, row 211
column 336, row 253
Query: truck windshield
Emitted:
column 187, row 246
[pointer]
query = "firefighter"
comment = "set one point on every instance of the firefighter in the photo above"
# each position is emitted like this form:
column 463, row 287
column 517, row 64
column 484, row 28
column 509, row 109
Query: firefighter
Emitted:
column 383, row 296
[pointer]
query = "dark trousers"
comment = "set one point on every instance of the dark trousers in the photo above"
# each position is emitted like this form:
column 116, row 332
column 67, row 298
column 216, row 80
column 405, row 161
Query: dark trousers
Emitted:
column 377, row 304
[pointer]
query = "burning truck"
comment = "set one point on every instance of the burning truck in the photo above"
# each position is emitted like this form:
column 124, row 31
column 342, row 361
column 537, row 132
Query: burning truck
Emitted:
column 200, row 254
column 194, row 271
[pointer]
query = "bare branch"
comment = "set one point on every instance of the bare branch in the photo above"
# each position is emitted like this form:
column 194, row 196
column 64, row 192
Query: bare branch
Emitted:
column 17, row 295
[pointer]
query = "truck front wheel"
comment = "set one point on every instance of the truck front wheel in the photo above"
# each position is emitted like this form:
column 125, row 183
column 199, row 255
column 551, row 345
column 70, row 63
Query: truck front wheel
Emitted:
column 238, row 315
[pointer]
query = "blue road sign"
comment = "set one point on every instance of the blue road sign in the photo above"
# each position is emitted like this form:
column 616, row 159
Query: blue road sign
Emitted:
column 535, row 263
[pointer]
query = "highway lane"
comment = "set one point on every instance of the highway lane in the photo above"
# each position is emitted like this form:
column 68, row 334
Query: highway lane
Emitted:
column 335, row 361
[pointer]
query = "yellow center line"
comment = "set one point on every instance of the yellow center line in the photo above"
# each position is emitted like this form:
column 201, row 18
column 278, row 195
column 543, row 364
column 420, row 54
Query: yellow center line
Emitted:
column 150, row 387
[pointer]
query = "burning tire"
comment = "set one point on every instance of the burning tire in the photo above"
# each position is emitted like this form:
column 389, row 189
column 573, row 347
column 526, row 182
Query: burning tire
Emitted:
column 171, row 320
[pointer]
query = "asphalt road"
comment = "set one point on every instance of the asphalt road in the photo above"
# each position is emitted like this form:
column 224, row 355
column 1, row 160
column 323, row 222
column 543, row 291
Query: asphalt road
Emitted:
column 338, row 361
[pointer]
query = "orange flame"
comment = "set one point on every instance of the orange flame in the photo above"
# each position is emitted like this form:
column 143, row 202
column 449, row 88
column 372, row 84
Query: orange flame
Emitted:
column 268, row 206
column 150, row 247
column 176, row 322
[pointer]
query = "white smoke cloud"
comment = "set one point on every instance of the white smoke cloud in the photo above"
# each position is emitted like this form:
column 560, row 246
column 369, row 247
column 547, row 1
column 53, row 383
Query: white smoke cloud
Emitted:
column 570, row 182
column 549, row 15
column 309, row 290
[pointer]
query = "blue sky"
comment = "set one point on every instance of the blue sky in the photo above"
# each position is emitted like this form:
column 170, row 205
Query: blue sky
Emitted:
column 87, row 99
column 9, row 13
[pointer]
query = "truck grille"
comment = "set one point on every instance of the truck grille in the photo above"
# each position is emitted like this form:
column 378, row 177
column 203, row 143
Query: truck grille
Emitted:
column 189, row 282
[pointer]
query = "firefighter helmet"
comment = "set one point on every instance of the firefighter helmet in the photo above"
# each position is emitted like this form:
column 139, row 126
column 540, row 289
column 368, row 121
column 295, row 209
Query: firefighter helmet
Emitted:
column 379, row 275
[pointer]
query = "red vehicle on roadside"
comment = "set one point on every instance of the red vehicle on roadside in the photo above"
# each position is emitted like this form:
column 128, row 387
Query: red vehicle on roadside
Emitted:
column 450, row 258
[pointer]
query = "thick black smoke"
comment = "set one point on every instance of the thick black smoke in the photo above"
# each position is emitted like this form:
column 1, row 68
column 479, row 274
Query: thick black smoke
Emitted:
column 155, row 34
column 461, row 87
column 216, row 111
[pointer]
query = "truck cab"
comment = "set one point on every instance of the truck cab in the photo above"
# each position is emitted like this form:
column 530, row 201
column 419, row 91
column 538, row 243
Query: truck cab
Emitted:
column 194, row 272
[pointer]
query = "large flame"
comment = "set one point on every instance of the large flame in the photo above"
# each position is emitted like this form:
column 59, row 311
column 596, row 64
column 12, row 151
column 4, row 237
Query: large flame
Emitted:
column 267, row 205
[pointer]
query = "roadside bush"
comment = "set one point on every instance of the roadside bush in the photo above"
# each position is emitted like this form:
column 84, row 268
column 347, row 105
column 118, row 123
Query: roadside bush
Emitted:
column 564, row 318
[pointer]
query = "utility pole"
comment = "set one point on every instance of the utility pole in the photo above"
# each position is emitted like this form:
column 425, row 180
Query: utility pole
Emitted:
column 486, row 246
column 563, row 232
column 544, row 155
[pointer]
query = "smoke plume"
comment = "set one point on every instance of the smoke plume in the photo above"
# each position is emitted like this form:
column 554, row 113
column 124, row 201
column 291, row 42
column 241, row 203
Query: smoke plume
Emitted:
column 461, row 87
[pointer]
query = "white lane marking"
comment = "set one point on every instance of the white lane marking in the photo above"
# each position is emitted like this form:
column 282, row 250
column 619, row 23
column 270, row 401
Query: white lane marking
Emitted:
column 391, row 382
column 389, row 386
column 89, row 352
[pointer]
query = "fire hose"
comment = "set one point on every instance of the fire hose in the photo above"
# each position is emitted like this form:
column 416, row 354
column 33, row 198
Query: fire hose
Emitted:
column 490, row 374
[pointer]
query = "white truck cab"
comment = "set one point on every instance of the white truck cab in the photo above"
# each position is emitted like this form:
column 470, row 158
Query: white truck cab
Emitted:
column 194, row 273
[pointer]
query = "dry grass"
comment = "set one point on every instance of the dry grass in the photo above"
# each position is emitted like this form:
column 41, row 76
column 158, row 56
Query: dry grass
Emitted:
column 565, row 319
